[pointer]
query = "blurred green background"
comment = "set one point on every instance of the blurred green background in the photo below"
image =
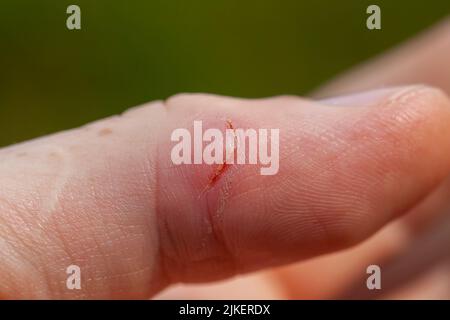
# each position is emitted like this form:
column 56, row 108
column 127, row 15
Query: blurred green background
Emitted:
column 130, row 52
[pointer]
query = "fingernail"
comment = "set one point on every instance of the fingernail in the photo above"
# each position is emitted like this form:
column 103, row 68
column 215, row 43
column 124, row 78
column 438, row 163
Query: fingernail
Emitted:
column 366, row 98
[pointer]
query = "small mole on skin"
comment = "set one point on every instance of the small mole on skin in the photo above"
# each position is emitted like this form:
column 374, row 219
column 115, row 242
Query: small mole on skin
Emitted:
column 104, row 132
column 21, row 154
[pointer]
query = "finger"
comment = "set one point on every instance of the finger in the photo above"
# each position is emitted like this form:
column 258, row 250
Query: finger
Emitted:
column 421, row 60
column 424, row 59
column 84, row 197
column 398, row 270
column 109, row 199
column 254, row 286
column 308, row 188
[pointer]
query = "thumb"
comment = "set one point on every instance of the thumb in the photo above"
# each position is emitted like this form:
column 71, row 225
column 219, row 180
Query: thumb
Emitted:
column 109, row 198
column 347, row 166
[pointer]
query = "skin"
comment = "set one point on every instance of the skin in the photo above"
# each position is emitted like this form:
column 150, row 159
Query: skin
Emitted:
column 420, row 60
column 107, row 197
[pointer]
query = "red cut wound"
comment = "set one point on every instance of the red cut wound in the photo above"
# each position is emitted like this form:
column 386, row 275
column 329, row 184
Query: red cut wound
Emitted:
column 229, row 125
column 219, row 170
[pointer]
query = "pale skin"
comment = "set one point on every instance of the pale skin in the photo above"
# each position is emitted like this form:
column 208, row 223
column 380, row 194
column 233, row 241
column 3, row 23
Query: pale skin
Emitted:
column 107, row 198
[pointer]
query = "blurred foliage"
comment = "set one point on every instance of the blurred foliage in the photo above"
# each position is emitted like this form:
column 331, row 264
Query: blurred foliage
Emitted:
column 130, row 52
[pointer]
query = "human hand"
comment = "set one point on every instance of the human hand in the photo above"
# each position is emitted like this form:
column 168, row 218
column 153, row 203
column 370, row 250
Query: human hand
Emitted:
column 107, row 198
